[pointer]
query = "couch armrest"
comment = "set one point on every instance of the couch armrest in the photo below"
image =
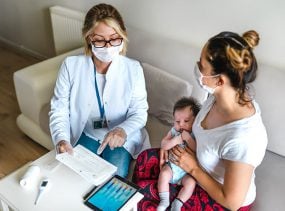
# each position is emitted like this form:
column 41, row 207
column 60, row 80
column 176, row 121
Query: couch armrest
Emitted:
column 34, row 84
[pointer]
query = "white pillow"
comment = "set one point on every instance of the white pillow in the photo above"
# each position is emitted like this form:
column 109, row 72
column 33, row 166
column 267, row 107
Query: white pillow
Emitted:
column 163, row 90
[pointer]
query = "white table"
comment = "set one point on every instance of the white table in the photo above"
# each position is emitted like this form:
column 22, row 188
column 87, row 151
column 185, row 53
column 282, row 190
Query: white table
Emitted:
column 65, row 193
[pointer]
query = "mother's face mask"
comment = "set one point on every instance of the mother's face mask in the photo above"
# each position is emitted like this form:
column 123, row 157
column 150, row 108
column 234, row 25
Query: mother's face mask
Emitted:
column 199, row 76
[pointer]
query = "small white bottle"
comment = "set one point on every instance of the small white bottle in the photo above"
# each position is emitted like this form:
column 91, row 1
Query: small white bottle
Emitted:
column 29, row 179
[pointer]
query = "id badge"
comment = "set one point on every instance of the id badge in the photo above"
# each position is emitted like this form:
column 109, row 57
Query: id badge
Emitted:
column 99, row 123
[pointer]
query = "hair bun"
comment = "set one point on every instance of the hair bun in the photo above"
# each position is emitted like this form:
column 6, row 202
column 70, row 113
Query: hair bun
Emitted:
column 251, row 37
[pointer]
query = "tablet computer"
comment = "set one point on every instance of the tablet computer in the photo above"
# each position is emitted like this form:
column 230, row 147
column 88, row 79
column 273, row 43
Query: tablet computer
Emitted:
column 112, row 195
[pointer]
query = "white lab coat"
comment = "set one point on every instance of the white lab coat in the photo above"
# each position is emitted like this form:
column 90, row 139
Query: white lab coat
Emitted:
column 124, row 98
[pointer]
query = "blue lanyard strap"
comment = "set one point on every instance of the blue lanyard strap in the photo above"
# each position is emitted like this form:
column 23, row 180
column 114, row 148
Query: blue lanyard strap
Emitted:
column 101, row 105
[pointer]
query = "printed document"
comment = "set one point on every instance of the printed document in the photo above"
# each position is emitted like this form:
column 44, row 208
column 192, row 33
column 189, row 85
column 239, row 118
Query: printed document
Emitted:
column 90, row 166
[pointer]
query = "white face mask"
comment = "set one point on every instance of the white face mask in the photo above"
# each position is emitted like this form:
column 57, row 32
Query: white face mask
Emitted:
column 107, row 54
column 199, row 78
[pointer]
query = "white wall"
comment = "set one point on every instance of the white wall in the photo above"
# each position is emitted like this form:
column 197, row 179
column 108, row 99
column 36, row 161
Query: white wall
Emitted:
column 26, row 23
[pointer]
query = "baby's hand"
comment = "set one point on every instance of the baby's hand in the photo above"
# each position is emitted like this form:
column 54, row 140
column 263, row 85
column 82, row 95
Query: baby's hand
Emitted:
column 186, row 136
column 177, row 140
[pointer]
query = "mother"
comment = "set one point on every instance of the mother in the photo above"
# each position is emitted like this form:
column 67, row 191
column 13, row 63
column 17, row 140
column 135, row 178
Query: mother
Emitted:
column 230, row 135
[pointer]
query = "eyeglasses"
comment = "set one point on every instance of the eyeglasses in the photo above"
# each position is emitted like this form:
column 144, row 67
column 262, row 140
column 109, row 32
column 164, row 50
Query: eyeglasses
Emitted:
column 103, row 43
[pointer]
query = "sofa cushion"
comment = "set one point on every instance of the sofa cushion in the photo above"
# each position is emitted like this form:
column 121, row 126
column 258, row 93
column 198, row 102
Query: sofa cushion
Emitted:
column 44, row 118
column 269, row 87
column 156, row 131
column 163, row 90
column 173, row 56
column 270, row 184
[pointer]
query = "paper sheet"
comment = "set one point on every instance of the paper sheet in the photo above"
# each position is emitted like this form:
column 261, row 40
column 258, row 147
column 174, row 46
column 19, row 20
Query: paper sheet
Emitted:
column 88, row 165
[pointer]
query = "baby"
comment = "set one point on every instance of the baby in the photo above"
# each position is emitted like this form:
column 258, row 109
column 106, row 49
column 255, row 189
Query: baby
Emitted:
column 185, row 110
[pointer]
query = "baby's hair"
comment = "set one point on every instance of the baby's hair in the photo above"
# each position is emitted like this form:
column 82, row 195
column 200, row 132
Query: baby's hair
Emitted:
column 184, row 102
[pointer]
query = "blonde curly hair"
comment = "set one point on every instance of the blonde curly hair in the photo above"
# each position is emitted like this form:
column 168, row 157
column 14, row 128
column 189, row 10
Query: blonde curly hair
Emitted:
column 111, row 17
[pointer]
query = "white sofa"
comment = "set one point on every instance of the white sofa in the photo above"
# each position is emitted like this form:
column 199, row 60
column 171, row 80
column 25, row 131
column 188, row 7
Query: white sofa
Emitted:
column 162, row 59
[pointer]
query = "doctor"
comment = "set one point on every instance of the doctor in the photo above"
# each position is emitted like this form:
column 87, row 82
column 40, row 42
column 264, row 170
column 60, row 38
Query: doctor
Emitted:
column 100, row 99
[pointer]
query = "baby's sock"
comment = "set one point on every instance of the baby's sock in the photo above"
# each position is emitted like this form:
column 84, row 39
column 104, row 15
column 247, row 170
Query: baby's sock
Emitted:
column 176, row 205
column 164, row 201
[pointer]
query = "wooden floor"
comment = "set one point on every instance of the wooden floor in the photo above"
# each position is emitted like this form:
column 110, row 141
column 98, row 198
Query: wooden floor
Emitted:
column 16, row 149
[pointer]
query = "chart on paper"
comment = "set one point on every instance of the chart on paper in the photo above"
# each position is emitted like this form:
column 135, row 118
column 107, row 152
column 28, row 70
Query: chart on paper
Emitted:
column 88, row 165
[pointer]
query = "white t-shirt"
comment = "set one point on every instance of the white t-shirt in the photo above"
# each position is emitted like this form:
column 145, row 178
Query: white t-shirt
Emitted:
column 243, row 140
column 97, row 134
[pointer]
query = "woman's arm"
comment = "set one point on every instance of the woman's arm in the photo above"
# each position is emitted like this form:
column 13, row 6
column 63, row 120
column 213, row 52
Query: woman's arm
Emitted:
column 136, row 115
column 136, row 111
column 189, row 140
column 64, row 146
column 237, row 178
column 59, row 114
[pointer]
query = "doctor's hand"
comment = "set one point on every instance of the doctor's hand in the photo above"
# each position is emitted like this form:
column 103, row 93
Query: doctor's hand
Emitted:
column 114, row 138
column 64, row 146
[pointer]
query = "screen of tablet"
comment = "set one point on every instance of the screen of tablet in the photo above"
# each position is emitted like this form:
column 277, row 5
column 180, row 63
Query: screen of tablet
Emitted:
column 112, row 195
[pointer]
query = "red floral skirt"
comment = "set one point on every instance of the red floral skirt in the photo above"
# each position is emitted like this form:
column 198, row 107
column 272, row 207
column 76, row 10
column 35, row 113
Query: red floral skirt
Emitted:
column 146, row 175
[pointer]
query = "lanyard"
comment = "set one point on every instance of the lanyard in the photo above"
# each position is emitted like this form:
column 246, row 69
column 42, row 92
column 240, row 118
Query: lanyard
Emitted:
column 101, row 105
